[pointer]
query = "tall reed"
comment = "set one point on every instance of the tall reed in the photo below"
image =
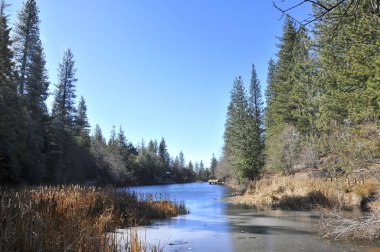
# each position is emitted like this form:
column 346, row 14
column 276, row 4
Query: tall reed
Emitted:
column 74, row 218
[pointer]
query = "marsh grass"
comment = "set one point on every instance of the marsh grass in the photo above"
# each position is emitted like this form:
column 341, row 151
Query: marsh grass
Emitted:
column 74, row 218
column 304, row 193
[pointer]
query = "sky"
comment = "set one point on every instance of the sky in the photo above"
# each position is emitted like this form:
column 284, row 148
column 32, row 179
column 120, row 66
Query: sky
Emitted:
column 161, row 68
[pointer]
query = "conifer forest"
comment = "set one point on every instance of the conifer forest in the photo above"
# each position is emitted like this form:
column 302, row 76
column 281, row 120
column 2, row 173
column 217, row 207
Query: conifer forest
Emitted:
column 322, row 97
column 42, row 147
column 320, row 108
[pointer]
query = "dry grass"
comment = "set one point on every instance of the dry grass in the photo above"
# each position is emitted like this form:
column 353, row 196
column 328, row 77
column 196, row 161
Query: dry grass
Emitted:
column 304, row 193
column 73, row 218
column 333, row 225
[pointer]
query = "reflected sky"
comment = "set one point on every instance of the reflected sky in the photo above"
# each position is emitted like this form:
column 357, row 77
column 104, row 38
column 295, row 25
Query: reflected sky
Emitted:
column 213, row 225
column 206, row 227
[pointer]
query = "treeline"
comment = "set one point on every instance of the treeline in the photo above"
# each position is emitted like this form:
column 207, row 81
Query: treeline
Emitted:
column 322, row 98
column 42, row 147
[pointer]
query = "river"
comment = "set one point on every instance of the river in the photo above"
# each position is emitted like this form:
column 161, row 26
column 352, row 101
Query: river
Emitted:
column 213, row 225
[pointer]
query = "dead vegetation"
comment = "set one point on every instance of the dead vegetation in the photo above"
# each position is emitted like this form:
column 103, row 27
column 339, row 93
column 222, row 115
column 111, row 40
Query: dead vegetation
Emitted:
column 73, row 218
column 335, row 226
column 300, row 192
column 328, row 197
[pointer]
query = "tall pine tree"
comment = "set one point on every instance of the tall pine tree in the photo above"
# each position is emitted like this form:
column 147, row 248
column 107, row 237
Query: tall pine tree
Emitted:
column 256, row 133
column 238, row 132
column 9, row 166
column 81, row 124
column 32, row 88
column 63, row 108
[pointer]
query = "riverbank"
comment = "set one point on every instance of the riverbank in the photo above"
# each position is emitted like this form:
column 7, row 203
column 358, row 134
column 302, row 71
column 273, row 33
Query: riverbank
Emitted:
column 300, row 192
column 76, row 218
column 330, row 199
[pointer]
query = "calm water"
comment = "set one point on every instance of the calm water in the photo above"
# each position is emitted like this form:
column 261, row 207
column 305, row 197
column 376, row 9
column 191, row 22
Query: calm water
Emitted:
column 213, row 225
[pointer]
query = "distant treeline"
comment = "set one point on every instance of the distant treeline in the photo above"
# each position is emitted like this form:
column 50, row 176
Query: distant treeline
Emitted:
column 322, row 98
column 38, row 147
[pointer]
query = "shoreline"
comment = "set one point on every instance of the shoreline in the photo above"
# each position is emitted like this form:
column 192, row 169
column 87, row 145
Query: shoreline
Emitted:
column 341, row 208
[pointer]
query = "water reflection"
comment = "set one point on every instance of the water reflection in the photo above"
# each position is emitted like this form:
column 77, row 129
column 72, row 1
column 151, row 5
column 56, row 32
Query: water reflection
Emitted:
column 213, row 225
column 206, row 227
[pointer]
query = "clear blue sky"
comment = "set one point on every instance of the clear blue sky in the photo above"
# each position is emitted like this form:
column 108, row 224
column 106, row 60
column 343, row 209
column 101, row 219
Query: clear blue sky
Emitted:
column 160, row 68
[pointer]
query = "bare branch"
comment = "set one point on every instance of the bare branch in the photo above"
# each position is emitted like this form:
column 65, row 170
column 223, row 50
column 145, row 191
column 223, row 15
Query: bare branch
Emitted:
column 325, row 10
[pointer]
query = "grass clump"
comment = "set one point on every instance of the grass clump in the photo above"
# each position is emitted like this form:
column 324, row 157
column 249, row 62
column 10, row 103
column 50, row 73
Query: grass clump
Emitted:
column 74, row 218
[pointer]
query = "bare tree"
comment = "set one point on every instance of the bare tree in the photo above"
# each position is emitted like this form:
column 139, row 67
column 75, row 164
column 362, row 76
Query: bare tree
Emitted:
column 339, row 8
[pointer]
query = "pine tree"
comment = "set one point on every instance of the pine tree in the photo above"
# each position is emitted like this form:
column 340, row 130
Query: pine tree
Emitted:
column 236, row 115
column 112, row 142
column 290, row 93
column 279, row 109
column 346, row 58
column 63, row 108
column 237, row 134
column 303, row 96
column 27, row 43
column 201, row 171
column 32, row 88
column 81, row 124
column 270, row 94
column 9, row 167
column 98, row 135
column 163, row 155
column 151, row 148
column 190, row 167
column 181, row 157
column 213, row 165
column 256, row 133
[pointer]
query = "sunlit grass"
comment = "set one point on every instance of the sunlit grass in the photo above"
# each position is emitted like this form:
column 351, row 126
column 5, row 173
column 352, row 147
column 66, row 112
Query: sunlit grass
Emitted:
column 74, row 218
column 295, row 193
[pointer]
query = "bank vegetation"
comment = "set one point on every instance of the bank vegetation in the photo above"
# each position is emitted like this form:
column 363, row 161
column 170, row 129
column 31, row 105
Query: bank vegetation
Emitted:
column 74, row 218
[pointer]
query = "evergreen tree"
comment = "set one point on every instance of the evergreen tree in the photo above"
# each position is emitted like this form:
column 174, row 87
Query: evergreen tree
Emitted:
column 27, row 43
column 125, row 148
column 346, row 58
column 213, row 165
column 163, row 155
column 257, row 131
column 98, row 135
column 181, row 157
column 151, row 148
column 112, row 142
column 121, row 139
column 279, row 110
column 190, row 167
column 269, row 92
column 201, row 171
column 63, row 108
column 32, row 88
column 291, row 92
column 303, row 96
column 9, row 167
column 238, row 130
column 82, row 125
